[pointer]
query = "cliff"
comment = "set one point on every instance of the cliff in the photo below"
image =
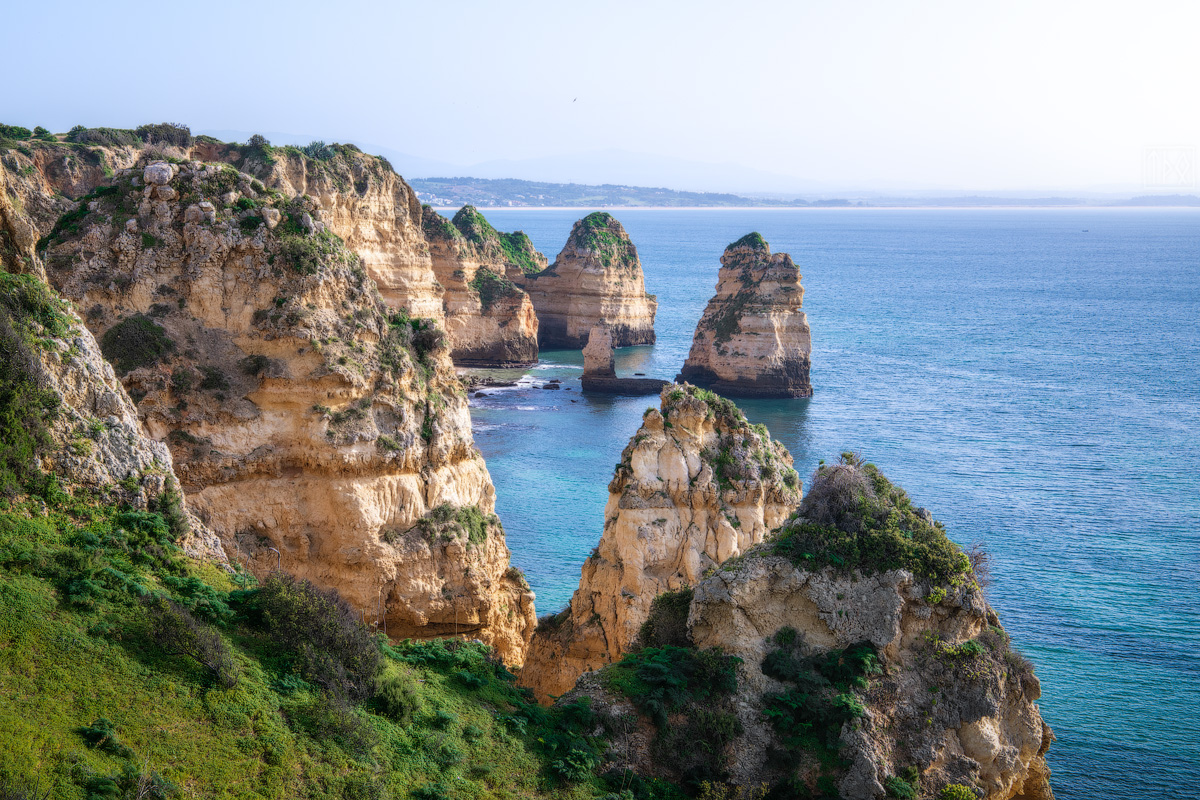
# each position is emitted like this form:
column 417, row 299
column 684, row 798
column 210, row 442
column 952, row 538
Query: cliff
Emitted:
column 753, row 339
column 596, row 280
column 313, row 428
column 851, row 655
column 696, row 485
column 490, row 322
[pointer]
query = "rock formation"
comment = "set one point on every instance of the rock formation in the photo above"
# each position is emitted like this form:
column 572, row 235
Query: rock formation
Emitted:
column 753, row 339
column 313, row 428
column 697, row 485
column 490, row 322
column 596, row 280
column 869, row 663
column 600, row 373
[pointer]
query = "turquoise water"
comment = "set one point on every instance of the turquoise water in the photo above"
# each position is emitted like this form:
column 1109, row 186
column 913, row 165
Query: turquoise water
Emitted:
column 1032, row 376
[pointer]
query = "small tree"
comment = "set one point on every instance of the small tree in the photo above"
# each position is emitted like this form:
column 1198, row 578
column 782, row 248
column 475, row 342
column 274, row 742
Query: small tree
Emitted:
column 177, row 632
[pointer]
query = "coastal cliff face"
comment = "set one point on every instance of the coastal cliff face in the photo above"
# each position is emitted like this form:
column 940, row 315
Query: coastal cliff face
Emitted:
column 753, row 339
column 697, row 485
column 313, row 428
column 596, row 280
column 490, row 322
column 360, row 198
column 852, row 655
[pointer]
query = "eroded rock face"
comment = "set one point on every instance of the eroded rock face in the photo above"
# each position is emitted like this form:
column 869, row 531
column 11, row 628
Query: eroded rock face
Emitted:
column 696, row 486
column 312, row 427
column 361, row 199
column 489, row 320
column 967, row 719
column 598, row 355
column 753, row 339
column 596, row 280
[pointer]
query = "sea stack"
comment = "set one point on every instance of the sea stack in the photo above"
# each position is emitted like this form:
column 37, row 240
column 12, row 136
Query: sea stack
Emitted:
column 857, row 658
column 490, row 321
column 696, row 485
column 753, row 339
column 596, row 280
column 313, row 429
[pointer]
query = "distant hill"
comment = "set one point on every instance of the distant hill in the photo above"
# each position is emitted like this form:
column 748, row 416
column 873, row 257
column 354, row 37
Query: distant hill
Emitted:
column 512, row 192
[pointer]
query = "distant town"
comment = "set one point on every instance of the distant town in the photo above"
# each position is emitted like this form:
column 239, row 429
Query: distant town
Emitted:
column 514, row 193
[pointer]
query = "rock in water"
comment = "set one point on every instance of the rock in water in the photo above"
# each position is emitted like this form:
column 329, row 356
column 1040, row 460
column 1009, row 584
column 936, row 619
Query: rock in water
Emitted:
column 853, row 655
column 596, row 280
column 599, row 370
column 697, row 485
column 753, row 339
column 312, row 427
column 489, row 320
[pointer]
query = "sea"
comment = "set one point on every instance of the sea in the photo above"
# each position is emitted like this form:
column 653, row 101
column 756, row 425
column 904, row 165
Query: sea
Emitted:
column 1032, row 376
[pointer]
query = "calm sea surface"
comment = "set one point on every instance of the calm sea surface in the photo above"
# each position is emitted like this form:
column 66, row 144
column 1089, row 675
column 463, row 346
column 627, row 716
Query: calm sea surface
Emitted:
column 1031, row 376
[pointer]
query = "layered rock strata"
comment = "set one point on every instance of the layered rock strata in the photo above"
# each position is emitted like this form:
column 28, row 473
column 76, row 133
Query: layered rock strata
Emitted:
column 490, row 321
column 753, row 339
column 596, row 280
column 697, row 485
column 313, row 428
column 906, row 678
column 599, row 369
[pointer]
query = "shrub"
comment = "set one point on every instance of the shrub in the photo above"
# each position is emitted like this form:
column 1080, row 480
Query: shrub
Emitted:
column 898, row 787
column 397, row 698
column 41, row 133
column 333, row 648
column 14, row 132
column 853, row 518
column 214, row 379
column 956, row 791
column 135, row 342
column 660, row 680
column 492, row 287
column 178, row 633
column 102, row 735
column 666, row 624
column 104, row 137
column 183, row 380
column 171, row 133
column 255, row 364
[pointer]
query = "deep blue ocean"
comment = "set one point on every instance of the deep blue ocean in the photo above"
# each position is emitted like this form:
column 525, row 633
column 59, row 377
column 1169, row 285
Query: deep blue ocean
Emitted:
column 1031, row 376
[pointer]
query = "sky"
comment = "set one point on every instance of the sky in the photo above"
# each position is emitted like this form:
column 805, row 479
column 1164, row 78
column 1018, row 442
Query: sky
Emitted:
column 722, row 96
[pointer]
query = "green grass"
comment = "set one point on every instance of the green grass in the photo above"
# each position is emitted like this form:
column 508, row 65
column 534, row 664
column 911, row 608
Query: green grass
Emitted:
column 753, row 240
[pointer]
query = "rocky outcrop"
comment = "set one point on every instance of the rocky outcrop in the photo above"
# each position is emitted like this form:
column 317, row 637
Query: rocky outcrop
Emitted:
column 490, row 322
column 313, row 428
column 596, row 280
column 697, row 485
column 599, row 370
column 868, row 662
column 753, row 339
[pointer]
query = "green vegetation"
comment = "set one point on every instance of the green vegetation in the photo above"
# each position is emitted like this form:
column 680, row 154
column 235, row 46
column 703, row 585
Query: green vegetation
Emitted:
column 853, row 518
column 956, row 791
column 69, row 223
column 455, row 192
column 492, row 287
column 449, row 521
column 30, row 316
column 512, row 248
column 598, row 232
column 754, row 240
column 823, row 696
column 135, row 342
column 727, row 322
column 666, row 624
column 684, row 691
column 902, row 788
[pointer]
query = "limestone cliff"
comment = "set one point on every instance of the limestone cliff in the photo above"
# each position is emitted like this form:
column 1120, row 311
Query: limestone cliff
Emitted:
column 868, row 662
column 313, row 428
column 596, row 280
column 489, row 320
column 753, row 339
column 697, row 485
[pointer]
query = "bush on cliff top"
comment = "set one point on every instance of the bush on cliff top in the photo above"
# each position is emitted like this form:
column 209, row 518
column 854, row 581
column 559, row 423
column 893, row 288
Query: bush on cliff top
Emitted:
column 754, row 240
column 854, row 518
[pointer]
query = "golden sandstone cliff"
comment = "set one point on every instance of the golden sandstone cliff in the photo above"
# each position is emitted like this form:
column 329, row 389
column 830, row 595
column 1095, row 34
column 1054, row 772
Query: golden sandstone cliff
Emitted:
column 596, row 280
column 696, row 486
column 489, row 320
column 753, row 339
column 851, row 654
column 313, row 428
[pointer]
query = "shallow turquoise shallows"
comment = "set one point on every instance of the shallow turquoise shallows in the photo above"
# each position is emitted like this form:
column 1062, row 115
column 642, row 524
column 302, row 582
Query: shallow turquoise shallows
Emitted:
column 1032, row 377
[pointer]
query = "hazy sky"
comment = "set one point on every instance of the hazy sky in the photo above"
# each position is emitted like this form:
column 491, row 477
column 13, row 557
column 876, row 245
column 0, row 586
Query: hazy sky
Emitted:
column 957, row 95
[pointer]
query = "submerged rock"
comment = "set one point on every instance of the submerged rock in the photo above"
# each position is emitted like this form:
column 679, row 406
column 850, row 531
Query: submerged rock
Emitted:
column 753, row 339
column 596, row 280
